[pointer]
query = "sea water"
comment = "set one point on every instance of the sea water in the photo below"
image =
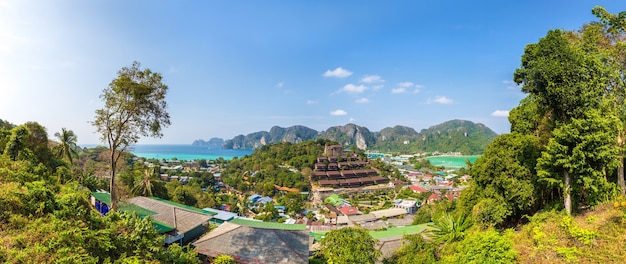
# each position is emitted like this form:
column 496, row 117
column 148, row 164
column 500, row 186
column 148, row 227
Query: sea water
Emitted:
column 185, row 152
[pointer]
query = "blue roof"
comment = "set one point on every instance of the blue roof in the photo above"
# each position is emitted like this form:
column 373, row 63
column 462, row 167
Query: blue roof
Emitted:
column 264, row 200
column 254, row 197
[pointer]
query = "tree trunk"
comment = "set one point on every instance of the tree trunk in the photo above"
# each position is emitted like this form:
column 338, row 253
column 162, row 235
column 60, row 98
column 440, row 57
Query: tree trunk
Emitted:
column 620, row 174
column 620, row 169
column 567, row 202
column 112, row 183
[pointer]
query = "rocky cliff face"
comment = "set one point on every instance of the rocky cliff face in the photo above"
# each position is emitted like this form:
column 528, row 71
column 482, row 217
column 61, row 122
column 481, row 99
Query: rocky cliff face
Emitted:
column 350, row 134
column 455, row 135
column 212, row 143
column 294, row 134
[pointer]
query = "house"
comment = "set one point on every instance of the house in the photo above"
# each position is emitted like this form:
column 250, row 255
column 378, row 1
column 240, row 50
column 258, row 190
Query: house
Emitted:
column 433, row 198
column 254, row 198
column 180, row 223
column 264, row 200
column 220, row 216
column 362, row 219
column 451, row 196
column 348, row 210
column 410, row 206
column 417, row 189
column 395, row 183
column 334, row 199
column 389, row 213
column 188, row 222
column 257, row 242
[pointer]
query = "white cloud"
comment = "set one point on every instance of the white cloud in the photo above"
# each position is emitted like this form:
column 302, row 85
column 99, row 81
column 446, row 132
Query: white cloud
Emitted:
column 351, row 120
column 280, row 85
column 405, row 84
column 338, row 112
column 362, row 100
column 351, row 88
column 339, row 73
column 403, row 87
column 418, row 88
column 398, row 90
column 500, row 113
column 377, row 87
column 372, row 79
column 440, row 100
column 310, row 102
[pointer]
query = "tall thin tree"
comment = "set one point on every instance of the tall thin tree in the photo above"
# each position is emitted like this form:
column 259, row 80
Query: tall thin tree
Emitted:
column 134, row 106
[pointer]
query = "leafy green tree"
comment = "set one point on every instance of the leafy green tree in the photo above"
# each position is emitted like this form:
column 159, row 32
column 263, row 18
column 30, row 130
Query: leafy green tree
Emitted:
column 37, row 143
column 504, row 181
column 134, row 106
column 67, row 145
column 609, row 40
column 349, row 245
column 184, row 196
column 566, row 81
column 484, row 247
column 294, row 203
column 583, row 150
column 17, row 142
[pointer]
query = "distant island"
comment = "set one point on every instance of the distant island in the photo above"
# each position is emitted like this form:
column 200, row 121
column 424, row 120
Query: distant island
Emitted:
column 211, row 143
column 456, row 135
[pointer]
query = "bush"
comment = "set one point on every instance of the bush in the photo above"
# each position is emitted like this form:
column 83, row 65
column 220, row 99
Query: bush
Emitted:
column 485, row 247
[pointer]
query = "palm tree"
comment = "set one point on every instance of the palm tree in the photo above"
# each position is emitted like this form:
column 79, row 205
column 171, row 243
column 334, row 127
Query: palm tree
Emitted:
column 67, row 144
column 149, row 185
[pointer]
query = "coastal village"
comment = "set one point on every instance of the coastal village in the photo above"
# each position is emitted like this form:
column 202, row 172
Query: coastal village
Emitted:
column 345, row 192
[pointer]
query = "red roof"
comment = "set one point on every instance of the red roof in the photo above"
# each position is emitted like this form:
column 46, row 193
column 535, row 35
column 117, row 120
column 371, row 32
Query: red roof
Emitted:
column 349, row 210
column 433, row 197
column 418, row 189
column 450, row 196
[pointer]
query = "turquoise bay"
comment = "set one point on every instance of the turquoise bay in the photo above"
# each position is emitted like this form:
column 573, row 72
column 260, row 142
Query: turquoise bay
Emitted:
column 183, row 152
column 186, row 152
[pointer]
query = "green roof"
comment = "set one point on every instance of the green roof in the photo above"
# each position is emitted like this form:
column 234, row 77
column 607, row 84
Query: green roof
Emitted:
column 268, row 225
column 390, row 232
column 334, row 199
column 142, row 212
column 190, row 208
column 162, row 227
column 399, row 231
column 104, row 197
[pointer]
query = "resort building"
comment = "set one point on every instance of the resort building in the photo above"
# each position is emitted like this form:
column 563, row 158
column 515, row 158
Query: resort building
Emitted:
column 338, row 169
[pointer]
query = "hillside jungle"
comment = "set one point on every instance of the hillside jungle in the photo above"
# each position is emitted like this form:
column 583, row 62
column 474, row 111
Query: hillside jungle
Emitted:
column 551, row 191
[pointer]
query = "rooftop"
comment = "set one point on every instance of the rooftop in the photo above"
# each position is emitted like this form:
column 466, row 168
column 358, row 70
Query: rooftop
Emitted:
column 173, row 214
column 251, row 244
column 268, row 225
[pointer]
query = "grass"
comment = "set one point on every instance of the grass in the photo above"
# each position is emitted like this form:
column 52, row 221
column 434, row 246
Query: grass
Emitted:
column 594, row 236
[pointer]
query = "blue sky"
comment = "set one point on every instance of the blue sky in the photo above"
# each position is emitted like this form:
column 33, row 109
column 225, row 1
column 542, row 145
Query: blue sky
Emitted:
column 237, row 67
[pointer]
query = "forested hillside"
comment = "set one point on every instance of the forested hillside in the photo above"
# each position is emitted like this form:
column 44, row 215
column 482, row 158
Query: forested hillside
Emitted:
column 46, row 216
column 558, row 177
column 283, row 164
